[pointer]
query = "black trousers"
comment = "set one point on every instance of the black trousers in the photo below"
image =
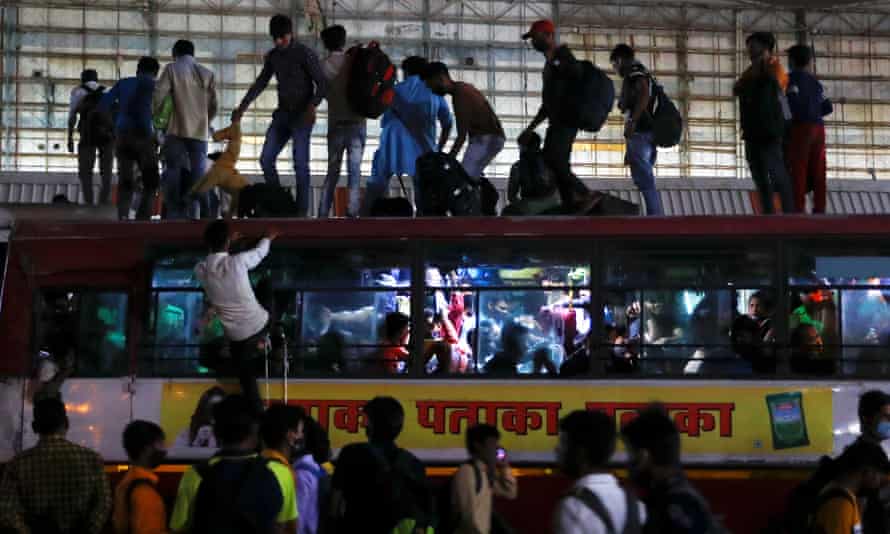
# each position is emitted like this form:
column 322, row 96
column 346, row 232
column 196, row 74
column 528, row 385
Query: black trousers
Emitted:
column 136, row 151
column 245, row 354
column 558, row 155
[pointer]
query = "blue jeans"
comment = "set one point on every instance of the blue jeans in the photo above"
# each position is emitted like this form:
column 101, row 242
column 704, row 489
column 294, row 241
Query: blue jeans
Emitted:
column 349, row 138
column 185, row 161
column 641, row 157
column 287, row 126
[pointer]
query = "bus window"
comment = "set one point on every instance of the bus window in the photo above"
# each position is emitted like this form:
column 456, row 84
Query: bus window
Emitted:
column 181, row 324
column 814, row 331
column 506, row 310
column 655, row 332
column 838, row 269
column 345, row 331
column 865, row 327
column 82, row 332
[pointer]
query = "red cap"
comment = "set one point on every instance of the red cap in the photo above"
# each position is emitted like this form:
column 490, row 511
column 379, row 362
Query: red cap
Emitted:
column 542, row 26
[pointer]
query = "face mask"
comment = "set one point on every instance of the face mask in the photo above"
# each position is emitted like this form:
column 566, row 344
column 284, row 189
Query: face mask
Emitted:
column 883, row 430
column 157, row 458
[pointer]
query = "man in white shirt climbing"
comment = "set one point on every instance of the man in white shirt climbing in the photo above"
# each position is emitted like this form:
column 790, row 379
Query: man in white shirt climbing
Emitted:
column 596, row 504
column 226, row 282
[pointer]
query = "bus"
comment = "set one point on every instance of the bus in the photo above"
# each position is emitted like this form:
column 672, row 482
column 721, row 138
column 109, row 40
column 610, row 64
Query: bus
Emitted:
column 756, row 334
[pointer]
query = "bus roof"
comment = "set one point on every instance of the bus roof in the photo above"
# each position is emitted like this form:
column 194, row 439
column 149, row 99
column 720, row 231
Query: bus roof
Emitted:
column 472, row 228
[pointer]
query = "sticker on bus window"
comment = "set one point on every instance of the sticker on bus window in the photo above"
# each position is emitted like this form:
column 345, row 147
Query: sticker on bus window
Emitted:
column 787, row 420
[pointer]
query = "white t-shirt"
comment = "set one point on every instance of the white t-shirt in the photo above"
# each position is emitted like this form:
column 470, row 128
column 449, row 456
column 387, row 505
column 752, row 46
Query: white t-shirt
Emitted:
column 574, row 517
column 225, row 278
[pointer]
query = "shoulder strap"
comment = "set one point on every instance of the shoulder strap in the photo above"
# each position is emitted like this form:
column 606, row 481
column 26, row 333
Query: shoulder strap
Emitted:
column 632, row 522
column 128, row 499
column 593, row 502
column 477, row 474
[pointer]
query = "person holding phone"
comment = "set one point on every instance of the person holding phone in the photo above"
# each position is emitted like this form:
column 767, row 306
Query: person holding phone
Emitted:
column 485, row 476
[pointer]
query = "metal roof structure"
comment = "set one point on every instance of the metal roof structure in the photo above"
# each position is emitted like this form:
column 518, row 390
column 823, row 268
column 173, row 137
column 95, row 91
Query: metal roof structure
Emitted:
column 696, row 48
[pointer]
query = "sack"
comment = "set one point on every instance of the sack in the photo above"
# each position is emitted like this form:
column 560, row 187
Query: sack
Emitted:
column 667, row 124
column 610, row 205
column 372, row 80
column 96, row 127
column 266, row 201
column 217, row 506
column 446, row 188
column 582, row 98
column 446, row 519
column 592, row 501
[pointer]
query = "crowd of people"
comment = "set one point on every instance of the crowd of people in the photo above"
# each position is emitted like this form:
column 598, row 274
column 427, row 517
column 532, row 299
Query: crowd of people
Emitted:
column 269, row 475
column 148, row 120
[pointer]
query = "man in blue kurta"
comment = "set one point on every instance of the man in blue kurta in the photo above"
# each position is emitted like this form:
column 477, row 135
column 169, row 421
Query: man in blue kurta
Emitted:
column 408, row 132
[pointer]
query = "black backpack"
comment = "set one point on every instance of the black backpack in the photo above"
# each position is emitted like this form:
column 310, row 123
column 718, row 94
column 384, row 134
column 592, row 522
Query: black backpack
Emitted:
column 536, row 180
column 216, row 507
column 582, row 97
column 805, row 499
column 446, row 188
column 667, row 124
column 399, row 495
column 266, row 201
column 447, row 522
column 394, row 207
column 96, row 127
column 372, row 79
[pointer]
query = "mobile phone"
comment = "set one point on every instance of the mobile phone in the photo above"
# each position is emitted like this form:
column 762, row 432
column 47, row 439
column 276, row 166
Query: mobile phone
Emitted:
column 502, row 454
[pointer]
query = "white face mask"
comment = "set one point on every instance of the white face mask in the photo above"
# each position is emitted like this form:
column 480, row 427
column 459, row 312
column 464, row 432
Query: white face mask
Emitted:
column 92, row 85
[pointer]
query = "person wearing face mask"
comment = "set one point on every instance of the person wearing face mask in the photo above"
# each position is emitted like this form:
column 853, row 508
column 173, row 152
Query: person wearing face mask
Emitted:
column 559, row 138
column 673, row 505
column 282, row 432
column 138, row 507
column 874, row 422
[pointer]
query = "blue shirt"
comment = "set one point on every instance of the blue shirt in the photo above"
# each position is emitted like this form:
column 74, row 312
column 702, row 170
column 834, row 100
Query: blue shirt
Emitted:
column 806, row 98
column 409, row 129
column 133, row 95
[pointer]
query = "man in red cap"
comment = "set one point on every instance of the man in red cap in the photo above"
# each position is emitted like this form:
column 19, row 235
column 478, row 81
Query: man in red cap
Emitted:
column 560, row 138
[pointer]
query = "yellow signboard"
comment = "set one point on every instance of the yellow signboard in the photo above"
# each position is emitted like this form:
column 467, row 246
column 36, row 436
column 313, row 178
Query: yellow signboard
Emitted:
column 744, row 420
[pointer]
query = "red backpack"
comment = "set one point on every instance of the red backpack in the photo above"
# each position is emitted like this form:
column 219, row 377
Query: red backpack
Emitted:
column 371, row 80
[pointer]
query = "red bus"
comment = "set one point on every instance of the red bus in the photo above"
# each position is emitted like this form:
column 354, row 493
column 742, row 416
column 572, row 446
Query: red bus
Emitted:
column 514, row 322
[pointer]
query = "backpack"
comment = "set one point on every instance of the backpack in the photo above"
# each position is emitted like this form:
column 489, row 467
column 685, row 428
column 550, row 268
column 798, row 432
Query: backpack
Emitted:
column 446, row 188
column 128, row 498
column 583, row 97
column 266, row 201
column 821, row 499
column 96, row 127
column 395, row 490
column 446, row 520
column 536, row 180
column 667, row 124
column 372, row 79
column 394, row 207
column 805, row 499
column 592, row 501
column 216, row 506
